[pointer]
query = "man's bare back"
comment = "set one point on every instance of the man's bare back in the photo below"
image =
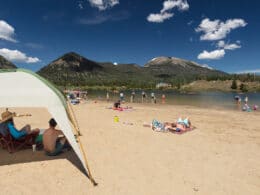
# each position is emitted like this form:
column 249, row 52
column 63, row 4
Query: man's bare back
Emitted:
column 50, row 137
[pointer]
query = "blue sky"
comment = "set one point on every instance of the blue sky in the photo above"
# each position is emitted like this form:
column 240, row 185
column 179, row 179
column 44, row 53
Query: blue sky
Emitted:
column 221, row 34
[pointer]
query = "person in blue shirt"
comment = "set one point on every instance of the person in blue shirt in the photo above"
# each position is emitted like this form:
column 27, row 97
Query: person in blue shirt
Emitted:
column 7, row 117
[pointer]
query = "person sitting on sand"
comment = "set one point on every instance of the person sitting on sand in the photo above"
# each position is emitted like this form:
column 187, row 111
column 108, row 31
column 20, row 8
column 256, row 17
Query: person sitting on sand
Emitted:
column 7, row 117
column 54, row 140
column 117, row 105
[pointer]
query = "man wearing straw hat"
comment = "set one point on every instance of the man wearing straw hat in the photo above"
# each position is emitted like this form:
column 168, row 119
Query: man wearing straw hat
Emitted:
column 7, row 118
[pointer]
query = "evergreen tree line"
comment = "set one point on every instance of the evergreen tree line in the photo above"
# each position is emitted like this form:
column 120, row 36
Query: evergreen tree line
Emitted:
column 132, row 82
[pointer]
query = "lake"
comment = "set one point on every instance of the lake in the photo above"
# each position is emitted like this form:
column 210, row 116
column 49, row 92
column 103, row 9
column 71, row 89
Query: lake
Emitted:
column 199, row 99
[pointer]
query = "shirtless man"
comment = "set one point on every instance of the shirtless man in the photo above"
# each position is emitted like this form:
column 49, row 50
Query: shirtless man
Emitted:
column 52, row 142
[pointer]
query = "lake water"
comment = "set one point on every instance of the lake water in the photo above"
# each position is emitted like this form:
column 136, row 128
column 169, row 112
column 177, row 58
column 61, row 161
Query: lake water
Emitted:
column 199, row 99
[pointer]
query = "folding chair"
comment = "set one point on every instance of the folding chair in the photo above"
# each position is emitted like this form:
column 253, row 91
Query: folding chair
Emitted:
column 12, row 145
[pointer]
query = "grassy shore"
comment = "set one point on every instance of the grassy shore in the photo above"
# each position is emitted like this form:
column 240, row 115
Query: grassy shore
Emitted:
column 202, row 85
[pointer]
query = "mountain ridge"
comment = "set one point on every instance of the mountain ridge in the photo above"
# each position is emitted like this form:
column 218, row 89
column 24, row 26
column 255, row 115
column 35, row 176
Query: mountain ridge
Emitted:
column 74, row 69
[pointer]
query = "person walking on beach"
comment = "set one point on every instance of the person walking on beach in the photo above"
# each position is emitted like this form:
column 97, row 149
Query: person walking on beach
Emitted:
column 121, row 96
column 107, row 97
column 153, row 99
column 163, row 99
column 132, row 97
column 143, row 96
column 246, row 100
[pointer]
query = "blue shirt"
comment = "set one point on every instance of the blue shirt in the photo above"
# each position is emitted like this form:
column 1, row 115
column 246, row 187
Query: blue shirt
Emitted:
column 14, row 132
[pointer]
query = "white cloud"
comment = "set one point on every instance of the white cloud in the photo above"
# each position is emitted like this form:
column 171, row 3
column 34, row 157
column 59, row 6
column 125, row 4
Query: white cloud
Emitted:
column 213, row 55
column 227, row 46
column 170, row 4
column 159, row 17
column 17, row 56
column 115, row 63
column 6, row 31
column 103, row 4
column 216, row 29
column 165, row 13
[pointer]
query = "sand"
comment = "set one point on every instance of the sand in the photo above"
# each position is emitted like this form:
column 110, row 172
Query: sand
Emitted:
column 221, row 156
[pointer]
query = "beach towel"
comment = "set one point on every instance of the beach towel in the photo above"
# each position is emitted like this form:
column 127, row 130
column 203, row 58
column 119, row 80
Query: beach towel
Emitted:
column 158, row 126
column 182, row 132
column 121, row 108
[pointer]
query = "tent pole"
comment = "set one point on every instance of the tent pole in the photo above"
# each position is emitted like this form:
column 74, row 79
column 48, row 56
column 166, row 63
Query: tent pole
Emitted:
column 73, row 118
column 80, row 144
column 86, row 163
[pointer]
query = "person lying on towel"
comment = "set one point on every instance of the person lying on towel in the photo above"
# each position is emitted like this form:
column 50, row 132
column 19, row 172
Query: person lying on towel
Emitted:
column 54, row 140
column 179, row 126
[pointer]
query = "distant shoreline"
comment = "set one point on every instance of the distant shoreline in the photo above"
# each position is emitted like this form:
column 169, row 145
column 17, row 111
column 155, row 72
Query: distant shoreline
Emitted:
column 196, row 86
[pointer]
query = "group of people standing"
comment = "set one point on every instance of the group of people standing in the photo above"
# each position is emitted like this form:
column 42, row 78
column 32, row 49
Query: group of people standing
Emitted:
column 246, row 106
column 133, row 97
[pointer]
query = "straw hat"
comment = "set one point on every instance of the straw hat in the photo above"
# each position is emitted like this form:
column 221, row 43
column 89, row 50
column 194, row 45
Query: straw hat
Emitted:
column 7, row 115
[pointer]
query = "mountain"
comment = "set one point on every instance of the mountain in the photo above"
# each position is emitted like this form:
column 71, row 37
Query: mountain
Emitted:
column 72, row 69
column 5, row 64
column 171, row 66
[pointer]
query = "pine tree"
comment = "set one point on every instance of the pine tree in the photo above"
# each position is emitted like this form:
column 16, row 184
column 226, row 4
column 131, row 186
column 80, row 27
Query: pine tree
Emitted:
column 243, row 87
column 234, row 84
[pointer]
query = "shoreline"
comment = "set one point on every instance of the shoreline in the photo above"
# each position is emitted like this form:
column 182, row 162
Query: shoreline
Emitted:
column 236, row 108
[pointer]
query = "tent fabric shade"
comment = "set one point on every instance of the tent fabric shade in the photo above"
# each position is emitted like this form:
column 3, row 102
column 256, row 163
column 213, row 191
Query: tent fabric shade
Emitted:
column 22, row 88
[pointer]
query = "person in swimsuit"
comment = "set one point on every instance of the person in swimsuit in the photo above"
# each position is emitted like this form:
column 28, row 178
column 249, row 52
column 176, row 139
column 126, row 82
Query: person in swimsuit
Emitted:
column 54, row 140
column 182, row 124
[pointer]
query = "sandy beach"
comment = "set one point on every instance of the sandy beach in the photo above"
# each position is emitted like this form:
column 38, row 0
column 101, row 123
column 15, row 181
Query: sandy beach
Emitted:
column 221, row 156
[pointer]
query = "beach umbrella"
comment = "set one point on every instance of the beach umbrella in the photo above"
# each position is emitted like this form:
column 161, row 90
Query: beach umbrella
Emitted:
column 23, row 88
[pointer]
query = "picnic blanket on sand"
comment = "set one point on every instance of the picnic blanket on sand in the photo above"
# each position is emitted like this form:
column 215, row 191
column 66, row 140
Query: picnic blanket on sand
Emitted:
column 182, row 132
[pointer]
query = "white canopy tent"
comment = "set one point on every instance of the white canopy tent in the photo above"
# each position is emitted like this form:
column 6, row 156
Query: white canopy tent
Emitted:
column 23, row 88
